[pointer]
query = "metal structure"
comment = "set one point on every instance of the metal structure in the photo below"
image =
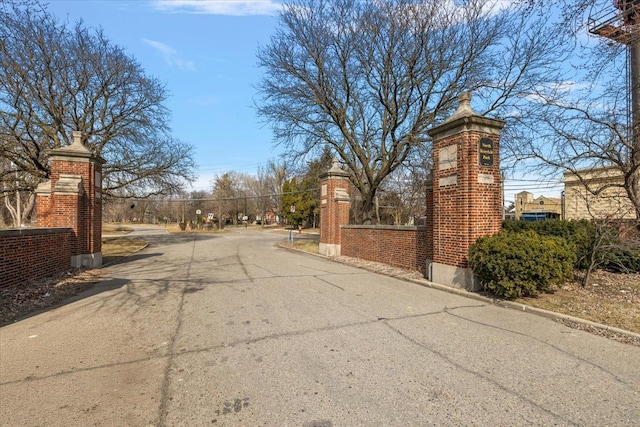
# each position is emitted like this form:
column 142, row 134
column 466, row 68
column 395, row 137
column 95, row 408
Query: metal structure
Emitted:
column 617, row 24
column 621, row 24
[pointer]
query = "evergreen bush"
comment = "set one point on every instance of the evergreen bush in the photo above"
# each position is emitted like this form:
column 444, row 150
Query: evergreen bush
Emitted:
column 580, row 234
column 517, row 264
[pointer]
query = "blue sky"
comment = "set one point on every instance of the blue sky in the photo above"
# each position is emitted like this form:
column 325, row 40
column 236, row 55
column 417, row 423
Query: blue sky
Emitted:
column 205, row 53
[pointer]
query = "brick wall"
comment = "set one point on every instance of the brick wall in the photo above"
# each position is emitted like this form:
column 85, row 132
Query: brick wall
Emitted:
column 466, row 190
column 463, row 200
column 69, row 213
column 31, row 254
column 399, row 246
column 429, row 220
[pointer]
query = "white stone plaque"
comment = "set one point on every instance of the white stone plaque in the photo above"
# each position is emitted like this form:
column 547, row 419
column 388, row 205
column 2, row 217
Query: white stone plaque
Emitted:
column 485, row 178
column 448, row 157
column 448, row 180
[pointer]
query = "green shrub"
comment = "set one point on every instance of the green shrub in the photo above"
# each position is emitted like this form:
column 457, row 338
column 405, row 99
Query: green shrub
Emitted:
column 580, row 234
column 517, row 264
column 622, row 260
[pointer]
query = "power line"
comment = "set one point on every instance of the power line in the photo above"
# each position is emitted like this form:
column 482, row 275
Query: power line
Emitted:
column 222, row 199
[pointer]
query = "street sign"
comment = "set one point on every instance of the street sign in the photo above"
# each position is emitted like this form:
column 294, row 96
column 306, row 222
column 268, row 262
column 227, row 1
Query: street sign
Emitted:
column 486, row 152
column 293, row 208
column 198, row 211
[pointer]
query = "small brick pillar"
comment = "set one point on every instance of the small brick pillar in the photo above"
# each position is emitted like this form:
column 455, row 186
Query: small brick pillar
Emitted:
column 334, row 208
column 466, row 193
column 73, row 198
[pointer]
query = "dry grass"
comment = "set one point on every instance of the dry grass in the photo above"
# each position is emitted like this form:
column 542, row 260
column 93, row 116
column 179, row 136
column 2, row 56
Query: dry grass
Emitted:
column 305, row 245
column 115, row 248
column 115, row 229
column 611, row 299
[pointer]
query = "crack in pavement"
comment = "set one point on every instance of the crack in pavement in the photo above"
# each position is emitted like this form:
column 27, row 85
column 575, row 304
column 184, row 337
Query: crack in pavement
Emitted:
column 305, row 332
column 72, row 371
column 556, row 348
column 172, row 353
column 166, row 382
column 486, row 378
column 328, row 282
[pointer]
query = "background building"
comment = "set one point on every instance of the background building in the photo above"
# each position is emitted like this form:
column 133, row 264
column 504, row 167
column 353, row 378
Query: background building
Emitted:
column 610, row 200
column 529, row 208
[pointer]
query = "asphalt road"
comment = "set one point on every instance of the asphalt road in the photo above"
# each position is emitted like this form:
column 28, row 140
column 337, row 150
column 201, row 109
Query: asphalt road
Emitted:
column 229, row 330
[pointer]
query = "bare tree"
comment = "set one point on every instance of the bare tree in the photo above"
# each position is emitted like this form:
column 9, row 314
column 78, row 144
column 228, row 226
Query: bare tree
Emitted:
column 403, row 195
column 56, row 78
column 265, row 190
column 276, row 175
column 585, row 122
column 227, row 190
column 369, row 78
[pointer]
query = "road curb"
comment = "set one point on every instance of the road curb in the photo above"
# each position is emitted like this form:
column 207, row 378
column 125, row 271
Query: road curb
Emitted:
column 522, row 307
column 495, row 301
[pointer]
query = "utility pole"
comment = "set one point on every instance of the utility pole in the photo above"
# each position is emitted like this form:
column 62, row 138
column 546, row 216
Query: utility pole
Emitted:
column 634, row 69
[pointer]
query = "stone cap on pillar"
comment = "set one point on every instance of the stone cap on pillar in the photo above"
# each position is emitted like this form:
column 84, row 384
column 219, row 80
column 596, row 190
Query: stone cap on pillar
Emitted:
column 335, row 171
column 77, row 150
column 464, row 108
column 465, row 118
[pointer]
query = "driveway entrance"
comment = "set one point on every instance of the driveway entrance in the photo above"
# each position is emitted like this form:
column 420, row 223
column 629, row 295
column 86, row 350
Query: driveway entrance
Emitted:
column 226, row 329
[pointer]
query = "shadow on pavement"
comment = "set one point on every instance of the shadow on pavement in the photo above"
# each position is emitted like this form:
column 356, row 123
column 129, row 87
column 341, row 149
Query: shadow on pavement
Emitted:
column 114, row 260
column 169, row 239
column 92, row 288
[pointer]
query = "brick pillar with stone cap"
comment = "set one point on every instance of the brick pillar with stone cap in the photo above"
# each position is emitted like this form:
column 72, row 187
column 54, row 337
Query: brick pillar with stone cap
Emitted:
column 334, row 208
column 467, row 192
column 73, row 198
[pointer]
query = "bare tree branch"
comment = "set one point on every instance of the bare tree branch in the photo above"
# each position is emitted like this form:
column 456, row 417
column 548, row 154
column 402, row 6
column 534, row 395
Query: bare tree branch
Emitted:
column 368, row 79
column 56, row 78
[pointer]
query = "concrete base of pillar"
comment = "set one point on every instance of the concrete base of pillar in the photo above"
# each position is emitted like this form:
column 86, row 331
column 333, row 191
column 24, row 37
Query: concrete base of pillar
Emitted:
column 87, row 260
column 449, row 275
column 327, row 249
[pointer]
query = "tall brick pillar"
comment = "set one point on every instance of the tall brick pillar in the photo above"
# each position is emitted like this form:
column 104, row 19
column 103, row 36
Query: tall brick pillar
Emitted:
column 467, row 195
column 334, row 208
column 73, row 198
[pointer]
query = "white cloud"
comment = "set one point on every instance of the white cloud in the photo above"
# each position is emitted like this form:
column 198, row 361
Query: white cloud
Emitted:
column 219, row 7
column 170, row 56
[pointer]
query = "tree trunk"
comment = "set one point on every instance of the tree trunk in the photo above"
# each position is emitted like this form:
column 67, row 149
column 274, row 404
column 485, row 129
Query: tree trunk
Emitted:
column 367, row 210
column 28, row 209
column 11, row 209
